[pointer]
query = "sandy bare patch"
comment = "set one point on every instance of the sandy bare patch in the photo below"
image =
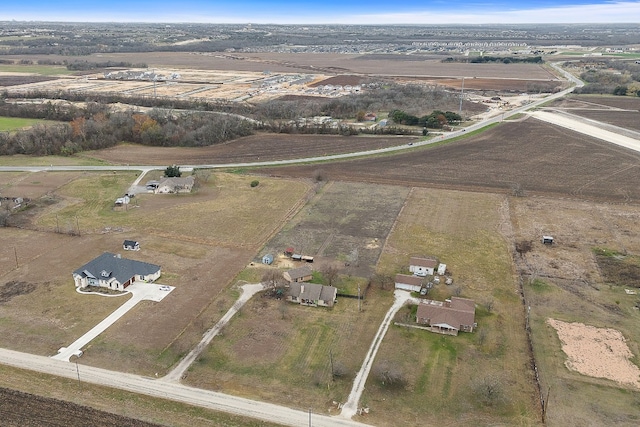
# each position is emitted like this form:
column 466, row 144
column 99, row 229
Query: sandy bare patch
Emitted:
column 597, row 352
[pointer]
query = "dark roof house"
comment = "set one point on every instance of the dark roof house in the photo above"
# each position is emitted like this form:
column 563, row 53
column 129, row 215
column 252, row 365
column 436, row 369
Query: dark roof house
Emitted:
column 114, row 272
column 312, row 294
column 300, row 274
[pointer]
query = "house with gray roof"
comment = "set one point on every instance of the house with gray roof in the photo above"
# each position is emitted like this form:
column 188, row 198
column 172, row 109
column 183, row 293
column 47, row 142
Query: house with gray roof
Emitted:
column 114, row 272
column 176, row 185
column 312, row 294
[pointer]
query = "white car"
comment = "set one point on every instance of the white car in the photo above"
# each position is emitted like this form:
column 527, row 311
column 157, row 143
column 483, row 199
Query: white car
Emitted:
column 165, row 288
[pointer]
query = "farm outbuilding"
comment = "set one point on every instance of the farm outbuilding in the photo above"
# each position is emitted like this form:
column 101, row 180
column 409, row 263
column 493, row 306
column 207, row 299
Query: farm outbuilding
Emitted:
column 300, row 274
column 131, row 245
column 547, row 240
column 422, row 266
column 267, row 259
column 408, row 283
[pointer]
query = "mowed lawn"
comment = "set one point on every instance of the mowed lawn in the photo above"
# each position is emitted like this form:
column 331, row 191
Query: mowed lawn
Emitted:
column 15, row 123
column 483, row 378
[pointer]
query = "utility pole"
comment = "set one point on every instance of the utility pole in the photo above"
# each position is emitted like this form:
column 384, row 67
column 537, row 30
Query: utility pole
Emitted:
column 461, row 97
column 15, row 252
column 77, row 225
column 309, row 417
column 57, row 225
column 359, row 303
column 331, row 361
column 78, row 372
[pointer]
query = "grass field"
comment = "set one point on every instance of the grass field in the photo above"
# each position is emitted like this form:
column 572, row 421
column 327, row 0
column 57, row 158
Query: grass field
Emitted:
column 22, row 160
column 15, row 123
column 44, row 70
column 568, row 286
column 225, row 222
column 447, row 377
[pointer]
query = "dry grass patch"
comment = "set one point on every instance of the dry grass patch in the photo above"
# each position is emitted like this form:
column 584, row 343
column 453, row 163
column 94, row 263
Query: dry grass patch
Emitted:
column 563, row 282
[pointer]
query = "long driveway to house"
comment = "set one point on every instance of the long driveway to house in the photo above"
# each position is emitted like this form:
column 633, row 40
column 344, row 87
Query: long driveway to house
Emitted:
column 179, row 371
column 350, row 408
column 139, row 291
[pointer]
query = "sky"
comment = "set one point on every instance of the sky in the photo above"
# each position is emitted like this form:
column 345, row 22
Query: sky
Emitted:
column 325, row 11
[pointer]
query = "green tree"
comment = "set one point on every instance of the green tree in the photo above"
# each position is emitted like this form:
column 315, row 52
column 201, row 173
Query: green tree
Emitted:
column 172, row 171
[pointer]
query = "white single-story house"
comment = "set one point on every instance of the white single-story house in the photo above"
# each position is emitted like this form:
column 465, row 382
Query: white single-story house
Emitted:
column 114, row 272
column 131, row 245
column 176, row 185
column 408, row 283
column 422, row 266
column 312, row 294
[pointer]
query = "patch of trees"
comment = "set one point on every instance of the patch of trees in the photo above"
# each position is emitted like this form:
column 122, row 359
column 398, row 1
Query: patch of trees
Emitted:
column 86, row 65
column 436, row 120
column 101, row 128
column 376, row 97
column 137, row 100
column 610, row 77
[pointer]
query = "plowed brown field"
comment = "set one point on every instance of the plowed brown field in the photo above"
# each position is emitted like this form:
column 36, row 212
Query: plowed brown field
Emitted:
column 19, row 409
column 539, row 157
column 253, row 148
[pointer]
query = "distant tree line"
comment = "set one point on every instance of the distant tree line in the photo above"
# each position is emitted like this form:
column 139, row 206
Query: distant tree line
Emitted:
column 601, row 79
column 98, row 127
column 503, row 59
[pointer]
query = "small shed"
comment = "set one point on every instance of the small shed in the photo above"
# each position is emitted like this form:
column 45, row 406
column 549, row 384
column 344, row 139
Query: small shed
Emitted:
column 131, row 245
column 547, row 240
column 442, row 269
column 267, row 259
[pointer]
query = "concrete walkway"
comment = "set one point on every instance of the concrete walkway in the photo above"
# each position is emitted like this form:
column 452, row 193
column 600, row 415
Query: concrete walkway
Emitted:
column 139, row 291
column 179, row 371
column 350, row 408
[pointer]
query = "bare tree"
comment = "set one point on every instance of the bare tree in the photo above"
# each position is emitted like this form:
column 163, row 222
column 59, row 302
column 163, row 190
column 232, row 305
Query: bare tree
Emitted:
column 383, row 280
column 390, row 374
column 489, row 390
column 330, row 275
column 489, row 305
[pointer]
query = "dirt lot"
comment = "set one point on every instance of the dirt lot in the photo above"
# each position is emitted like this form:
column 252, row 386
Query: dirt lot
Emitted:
column 537, row 157
column 342, row 218
column 498, row 85
column 597, row 352
column 254, row 148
